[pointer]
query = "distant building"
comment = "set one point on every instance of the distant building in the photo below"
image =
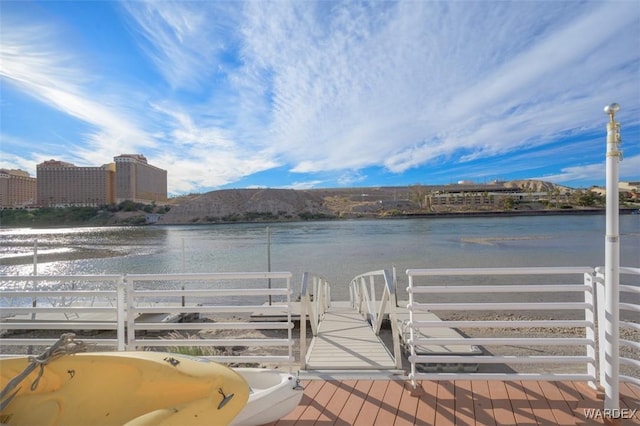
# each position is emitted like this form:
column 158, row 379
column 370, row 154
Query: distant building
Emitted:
column 138, row 181
column 17, row 189
column 62, row 184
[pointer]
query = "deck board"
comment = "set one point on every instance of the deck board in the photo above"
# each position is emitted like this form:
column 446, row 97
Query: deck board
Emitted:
column 333, row 409
column 355, row 401
column 426, row 411
column 371, row 404
column 407, row 409
column 464, row 403
column 539, row 404
column 502, row 409
column 482, row 405
column 519, row 403
column 390, row 403
column 559, row 407
column 460, row 402
column 445, row 409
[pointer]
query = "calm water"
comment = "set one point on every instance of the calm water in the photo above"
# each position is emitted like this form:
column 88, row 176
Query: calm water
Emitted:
column 338, row 250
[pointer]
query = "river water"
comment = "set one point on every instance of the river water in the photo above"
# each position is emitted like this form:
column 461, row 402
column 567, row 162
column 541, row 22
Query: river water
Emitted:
column 337, row 250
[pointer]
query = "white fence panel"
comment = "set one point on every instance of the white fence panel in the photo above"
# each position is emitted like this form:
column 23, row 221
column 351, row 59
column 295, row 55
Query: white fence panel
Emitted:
column 85, row 304
column 425, row 284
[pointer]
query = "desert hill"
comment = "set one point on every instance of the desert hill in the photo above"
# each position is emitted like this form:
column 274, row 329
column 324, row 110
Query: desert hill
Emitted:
column 536, row 186
column 233, row 205
column 265, row 204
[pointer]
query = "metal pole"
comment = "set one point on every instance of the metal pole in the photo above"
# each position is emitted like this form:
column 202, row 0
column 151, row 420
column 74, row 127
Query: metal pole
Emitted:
column 612, row 265
column 34, row 302
column 183, row 271
column 269, row 259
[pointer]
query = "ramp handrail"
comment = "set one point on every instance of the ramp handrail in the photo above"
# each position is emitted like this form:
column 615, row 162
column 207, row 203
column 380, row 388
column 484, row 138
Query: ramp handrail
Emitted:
column 315, row 299
column 625, row 323
column 435, row 288
column 363, row 298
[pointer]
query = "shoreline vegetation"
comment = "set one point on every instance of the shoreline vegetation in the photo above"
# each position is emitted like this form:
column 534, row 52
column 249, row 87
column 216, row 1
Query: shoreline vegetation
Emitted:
column 66, row 217
column 266, row 205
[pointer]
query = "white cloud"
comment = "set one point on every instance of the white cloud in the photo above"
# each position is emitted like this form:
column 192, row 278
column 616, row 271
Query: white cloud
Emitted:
column 304, row 185
column 627, row 167
column 183, row 39
column 31, row 61
column 404, row 84
column 12, row 161
column 330, row 88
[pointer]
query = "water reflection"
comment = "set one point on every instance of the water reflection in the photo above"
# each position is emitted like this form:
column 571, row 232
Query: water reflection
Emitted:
column 338, row 250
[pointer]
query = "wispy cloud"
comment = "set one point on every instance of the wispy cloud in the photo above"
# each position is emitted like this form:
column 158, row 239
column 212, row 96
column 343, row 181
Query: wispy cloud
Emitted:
column 34, row 63
column 403, row 85
column 327, row 90
column 184, row 39
column 627, row 167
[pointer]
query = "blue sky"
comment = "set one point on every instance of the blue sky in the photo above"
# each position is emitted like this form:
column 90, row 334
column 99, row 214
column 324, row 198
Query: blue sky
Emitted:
column 304, row 94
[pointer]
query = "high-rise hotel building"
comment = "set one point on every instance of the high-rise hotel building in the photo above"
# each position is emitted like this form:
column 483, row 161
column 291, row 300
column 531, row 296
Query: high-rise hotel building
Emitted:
column 138, row 181
column 130, row 177
column 62, row 184
column 17, row 189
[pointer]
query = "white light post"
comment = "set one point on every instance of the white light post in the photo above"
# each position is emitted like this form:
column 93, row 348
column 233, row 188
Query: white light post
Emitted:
column 612, row 265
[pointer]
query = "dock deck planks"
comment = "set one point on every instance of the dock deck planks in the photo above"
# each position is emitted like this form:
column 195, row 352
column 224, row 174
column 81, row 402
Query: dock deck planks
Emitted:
column 345, row 341
column 443, row 403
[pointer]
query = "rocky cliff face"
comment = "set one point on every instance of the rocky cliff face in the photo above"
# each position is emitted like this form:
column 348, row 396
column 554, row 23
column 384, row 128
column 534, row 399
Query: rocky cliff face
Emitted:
column 233, row 205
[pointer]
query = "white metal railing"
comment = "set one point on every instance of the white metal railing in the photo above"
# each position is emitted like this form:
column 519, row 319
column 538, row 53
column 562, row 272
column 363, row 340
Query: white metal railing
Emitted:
column 217, row 301
column 583, row 290
column 135, row 304
column 363, row 291
column 315, row 299
column 630, row 292
column 69, row 302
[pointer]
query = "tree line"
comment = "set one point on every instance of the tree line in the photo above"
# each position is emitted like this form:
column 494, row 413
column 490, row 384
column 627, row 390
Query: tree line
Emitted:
column 72, row 216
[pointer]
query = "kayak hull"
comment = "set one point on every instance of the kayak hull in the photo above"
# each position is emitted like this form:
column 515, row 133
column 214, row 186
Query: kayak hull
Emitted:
column 116, row 388
column 273, row 395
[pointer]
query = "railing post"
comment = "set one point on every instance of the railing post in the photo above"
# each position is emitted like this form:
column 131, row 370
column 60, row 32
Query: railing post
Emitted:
column 289, row 323
column 373, row 301
column 600, row 305
column 390, row 284
column 412, row 345
column 131, row 313
column 303, row 321
column 589, row 316
column 121, row 312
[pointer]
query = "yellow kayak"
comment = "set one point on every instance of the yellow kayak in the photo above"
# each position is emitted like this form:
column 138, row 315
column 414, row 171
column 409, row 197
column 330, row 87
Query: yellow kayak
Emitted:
column 123, row 388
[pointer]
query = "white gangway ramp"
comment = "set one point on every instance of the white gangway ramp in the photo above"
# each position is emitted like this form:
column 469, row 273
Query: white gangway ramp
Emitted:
column 346, row 341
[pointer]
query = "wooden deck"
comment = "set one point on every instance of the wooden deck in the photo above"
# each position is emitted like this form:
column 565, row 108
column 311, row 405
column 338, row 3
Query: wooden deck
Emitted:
column 392, row 402
column 345, row 341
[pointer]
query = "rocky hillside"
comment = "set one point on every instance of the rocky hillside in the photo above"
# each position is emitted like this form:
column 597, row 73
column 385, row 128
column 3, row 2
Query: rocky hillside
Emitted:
column 536, row 186
column 255, row 205
column 246, row 205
